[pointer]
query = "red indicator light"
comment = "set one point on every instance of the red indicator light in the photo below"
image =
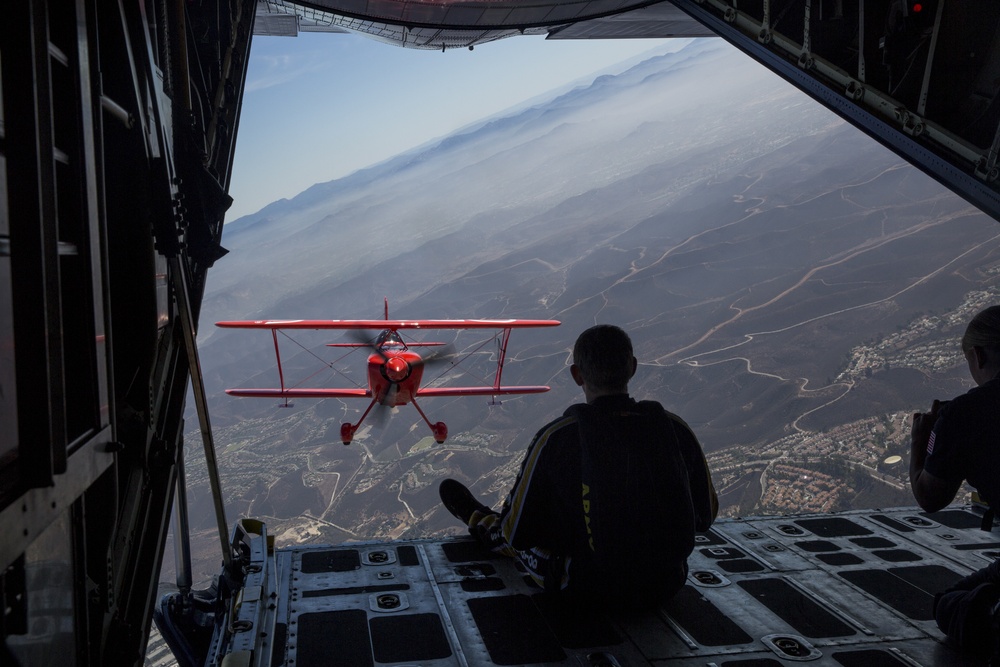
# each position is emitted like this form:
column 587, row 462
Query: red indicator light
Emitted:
column 917, row 7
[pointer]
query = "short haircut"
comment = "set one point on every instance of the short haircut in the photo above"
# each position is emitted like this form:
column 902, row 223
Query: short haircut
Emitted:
column 983, row 330
column 604, row 356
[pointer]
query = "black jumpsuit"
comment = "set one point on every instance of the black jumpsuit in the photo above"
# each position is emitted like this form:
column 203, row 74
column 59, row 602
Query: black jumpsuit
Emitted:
column 606, row 503
column 965, row 445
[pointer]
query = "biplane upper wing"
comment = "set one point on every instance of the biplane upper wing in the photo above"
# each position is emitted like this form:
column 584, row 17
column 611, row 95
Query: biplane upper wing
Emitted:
column 385, row 324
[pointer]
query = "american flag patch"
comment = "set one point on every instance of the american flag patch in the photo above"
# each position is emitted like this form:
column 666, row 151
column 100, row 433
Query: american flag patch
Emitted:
column 930, row 442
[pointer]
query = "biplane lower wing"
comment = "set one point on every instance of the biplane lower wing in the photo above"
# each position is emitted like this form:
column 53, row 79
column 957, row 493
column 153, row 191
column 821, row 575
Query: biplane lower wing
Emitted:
column 304, row 392
column 480, row 391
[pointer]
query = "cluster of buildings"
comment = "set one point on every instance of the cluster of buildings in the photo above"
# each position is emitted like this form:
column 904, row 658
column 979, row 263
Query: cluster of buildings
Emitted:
column 930, row 343
column 791, row 486
column 827, row 470
column 815, row 472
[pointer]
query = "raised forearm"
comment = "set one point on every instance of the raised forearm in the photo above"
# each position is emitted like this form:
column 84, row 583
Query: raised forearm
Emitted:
column 931, row 493
column 919, row 435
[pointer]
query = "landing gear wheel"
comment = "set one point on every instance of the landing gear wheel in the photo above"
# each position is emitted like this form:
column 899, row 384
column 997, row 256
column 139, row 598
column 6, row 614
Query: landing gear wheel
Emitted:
column 440, row 431
column 346, row 433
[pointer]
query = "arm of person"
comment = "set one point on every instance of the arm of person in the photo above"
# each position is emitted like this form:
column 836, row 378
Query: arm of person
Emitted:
column 703, row 495
column 703, row 519
column 523, row 516
column 932, row 493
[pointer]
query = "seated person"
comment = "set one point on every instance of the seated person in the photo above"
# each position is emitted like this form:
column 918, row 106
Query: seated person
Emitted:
column 959, row 440
column 609, row 495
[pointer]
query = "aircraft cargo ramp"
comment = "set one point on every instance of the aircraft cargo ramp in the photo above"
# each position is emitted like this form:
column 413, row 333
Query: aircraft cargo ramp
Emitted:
column 849, row 589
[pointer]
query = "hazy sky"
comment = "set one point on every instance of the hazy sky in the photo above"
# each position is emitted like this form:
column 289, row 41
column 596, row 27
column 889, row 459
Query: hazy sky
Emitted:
column 320, row 106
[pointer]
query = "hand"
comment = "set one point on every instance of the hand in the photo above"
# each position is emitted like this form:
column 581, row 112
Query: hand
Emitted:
column 930, row 492
column 923, row 424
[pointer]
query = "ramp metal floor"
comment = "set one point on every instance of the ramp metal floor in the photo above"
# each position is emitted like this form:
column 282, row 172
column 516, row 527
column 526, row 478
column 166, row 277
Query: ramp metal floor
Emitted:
column 852, row 589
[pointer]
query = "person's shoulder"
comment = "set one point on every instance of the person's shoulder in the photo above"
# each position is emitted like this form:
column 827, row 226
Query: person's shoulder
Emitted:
column 559, row 424
column 574, row 412
column 681, row 428
column 657, row 408
column 976, row 398
column 990, row 389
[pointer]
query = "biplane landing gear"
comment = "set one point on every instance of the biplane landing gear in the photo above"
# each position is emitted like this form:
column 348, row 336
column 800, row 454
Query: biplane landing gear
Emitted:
column 438, row 430
column 347, row 429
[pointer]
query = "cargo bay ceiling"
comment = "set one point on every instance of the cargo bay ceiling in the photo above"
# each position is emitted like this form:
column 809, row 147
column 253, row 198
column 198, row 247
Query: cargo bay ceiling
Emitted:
column 921, row 77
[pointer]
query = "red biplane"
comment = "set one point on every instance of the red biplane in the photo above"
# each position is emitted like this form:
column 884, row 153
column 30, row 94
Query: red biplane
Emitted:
column 395, row 370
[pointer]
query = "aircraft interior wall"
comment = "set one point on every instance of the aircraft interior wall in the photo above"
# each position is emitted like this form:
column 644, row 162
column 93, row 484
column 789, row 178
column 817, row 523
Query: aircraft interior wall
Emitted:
column 117, row 127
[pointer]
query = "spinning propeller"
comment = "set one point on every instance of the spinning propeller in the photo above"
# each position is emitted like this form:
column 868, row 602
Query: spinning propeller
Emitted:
column 395, row 373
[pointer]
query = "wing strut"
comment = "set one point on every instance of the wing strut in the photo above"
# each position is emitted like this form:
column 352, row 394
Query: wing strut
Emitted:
column 503, row 355
column 277, row 356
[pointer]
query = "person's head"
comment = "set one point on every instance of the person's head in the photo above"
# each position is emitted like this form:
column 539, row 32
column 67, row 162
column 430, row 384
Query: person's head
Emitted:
column 981, row 345
column 603, row 361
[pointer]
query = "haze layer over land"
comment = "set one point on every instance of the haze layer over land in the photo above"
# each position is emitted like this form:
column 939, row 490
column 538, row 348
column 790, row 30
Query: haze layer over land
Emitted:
column 794, row 291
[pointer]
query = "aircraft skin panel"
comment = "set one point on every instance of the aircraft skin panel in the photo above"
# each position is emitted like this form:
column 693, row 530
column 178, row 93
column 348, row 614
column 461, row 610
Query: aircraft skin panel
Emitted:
column 470, row 14
column 853, row 588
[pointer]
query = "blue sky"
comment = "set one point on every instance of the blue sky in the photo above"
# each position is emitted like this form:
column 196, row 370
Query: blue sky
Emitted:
column 320, row 106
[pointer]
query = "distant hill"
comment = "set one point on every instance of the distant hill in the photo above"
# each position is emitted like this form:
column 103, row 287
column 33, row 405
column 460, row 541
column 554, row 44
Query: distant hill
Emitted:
column 749, row 240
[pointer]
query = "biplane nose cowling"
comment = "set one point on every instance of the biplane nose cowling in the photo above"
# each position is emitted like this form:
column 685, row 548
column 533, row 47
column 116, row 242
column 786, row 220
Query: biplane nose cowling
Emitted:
column 396, row 369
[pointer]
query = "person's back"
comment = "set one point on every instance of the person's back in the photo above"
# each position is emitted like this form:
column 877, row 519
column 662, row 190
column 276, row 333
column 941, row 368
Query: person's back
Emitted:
column 639, row 515
column 609, row 495
column 958, row 441
column 967, row 437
